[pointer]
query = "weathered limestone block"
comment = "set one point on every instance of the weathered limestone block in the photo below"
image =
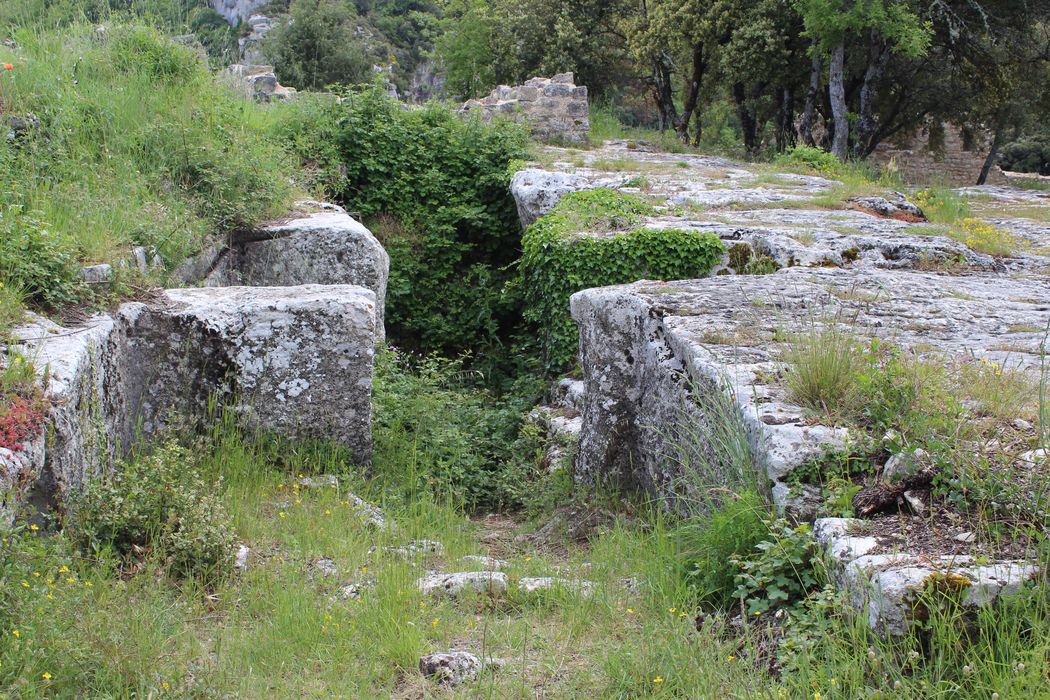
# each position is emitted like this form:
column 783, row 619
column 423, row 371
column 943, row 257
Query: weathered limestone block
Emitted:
column 451, row 668
column 656, row 355
column 297, row 359
column 554, row 108
column 327, row 247
column 257, row 82
column 885, row 584
column 536, row 192
column 454, row 585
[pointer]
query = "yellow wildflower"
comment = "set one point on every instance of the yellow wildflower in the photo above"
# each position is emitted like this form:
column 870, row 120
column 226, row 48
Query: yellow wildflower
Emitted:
column 658, row 680
column 46, row 676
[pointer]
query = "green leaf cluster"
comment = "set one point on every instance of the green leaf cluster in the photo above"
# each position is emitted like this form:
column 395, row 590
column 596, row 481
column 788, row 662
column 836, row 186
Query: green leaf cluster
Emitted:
column 435, row 189
column 589, row 240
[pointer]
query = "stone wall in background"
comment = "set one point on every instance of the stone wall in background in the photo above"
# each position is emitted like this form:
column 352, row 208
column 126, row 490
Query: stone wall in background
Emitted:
column 938, row 153
column 556, row 109
column 234, row 11
column 256, row 82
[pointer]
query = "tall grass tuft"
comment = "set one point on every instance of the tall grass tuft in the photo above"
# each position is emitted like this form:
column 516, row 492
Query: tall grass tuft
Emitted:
column 824, row 363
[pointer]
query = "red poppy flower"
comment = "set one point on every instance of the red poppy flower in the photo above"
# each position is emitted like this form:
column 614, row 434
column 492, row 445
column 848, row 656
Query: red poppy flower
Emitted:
column 8, row 66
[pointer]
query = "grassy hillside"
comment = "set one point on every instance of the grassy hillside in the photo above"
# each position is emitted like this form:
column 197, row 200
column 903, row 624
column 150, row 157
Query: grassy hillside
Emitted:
column 116, row 138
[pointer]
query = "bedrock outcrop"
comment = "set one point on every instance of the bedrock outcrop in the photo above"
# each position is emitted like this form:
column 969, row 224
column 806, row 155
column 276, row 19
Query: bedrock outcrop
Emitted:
column 664, row 362
column 296, row 361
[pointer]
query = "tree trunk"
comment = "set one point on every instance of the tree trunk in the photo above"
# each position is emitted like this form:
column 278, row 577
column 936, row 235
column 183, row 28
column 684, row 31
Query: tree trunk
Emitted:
column 809, row 112
column 837, row 93
column 785, row 133
column 878, row 57
column 748, row 124
column 663, row 92
column 692, row 92
column 993, row 151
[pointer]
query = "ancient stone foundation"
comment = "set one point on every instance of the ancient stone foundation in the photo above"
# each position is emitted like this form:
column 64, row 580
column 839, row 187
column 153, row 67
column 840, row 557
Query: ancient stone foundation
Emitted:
column 290, row 358
column 938, row 153
column 554, row 108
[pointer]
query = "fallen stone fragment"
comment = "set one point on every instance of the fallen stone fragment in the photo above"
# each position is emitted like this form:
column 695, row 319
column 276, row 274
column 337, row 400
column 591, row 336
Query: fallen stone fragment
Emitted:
column 451, row 668
column 372, row 515
column 354, row 590
column 324, row 567
column 241, row 561
column 417, row 548
column 966, row 537
column 899, row 208
column 486, row 562
column 529, row 585
column 915, row 502
column 97, row 274
column 453, row 585
column 320, row 481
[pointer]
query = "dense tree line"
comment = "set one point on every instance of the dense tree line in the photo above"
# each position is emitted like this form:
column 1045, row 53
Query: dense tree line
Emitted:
column 841, row 74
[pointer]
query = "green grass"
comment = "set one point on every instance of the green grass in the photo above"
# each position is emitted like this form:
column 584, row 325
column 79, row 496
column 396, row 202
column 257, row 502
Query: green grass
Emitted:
column 137, row 144
column 75, row 624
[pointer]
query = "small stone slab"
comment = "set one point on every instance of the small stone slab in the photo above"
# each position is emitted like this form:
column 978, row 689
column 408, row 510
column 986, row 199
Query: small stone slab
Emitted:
column 454, row 585
column 451, row 668
column 486, row 562
column 542, row 584
column 372, row 515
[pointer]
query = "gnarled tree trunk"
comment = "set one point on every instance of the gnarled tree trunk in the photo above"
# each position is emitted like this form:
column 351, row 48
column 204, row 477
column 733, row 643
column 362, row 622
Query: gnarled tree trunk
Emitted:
column 809, row 111
column 692, row 92
column 878, row 57
column 837, row 93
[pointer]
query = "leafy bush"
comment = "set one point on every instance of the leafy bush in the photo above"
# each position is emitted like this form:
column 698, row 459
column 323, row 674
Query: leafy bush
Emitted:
column 440, row 184
column 782, row 573
column 34, row 260
column 441, row 435
column 317, row 46
column 161, row 503
column 1030, row 155
column 555, row 264
column 812, row 158
column 735, row 528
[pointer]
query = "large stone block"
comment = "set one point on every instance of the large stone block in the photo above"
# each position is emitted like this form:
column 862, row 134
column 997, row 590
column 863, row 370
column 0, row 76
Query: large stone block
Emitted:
column 327, row 247
column 296, row 361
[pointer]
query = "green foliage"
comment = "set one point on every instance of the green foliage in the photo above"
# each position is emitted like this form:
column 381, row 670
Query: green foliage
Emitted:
column 812, row 158
column 34, row 261
column 143, row 147
column 557, row 263
column 823, row 367
column 157, row 502
column 435, row 189
column 434, row 432
column 708, row 542
column 1031, row 155
column 783, row 572
column 316, row 46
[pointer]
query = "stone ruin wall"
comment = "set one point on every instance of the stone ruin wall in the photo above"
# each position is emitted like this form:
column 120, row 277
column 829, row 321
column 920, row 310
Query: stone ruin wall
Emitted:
column 556, row 109
column 925, row 158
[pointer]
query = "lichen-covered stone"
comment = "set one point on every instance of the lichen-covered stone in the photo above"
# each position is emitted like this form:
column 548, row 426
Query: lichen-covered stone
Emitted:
column 886, row 585
column 297, row 360
column 651, row 352
column 456, row 584
column 327, row 247
column 451, row 668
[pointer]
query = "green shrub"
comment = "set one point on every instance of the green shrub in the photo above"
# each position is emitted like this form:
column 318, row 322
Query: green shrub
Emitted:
column 735, row 528
column 812, row 158
column 34, row 261
column 158, row 502
column 782, row 573
column 317, row 46
column 137, row 49
column 555, row 263
column 434, row 431
column 437, row 185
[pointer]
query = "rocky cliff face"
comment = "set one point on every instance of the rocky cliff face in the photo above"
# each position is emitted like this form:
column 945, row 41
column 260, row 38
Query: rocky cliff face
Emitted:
column 236, row 11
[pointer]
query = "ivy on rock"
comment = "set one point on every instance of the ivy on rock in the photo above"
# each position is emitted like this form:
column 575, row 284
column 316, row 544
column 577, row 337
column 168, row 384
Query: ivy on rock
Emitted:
column 594, row 238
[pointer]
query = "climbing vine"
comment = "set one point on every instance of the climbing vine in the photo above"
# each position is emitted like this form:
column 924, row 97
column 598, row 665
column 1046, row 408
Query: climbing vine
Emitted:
column 558, row 260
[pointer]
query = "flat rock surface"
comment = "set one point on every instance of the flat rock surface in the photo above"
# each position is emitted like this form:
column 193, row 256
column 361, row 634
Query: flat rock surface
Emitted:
column 644, row 344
